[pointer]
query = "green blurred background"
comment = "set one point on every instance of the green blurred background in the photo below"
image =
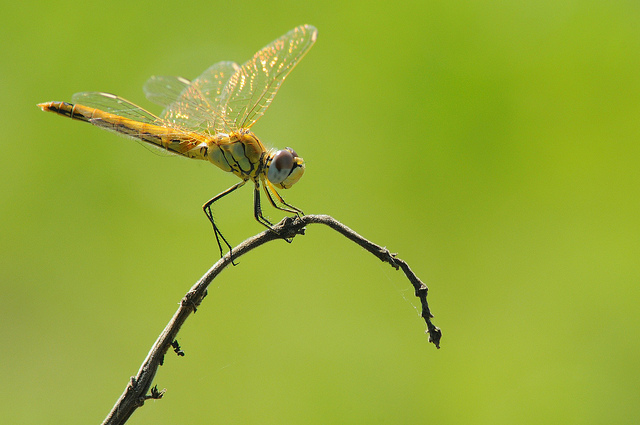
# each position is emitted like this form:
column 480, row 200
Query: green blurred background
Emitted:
column 493, row 145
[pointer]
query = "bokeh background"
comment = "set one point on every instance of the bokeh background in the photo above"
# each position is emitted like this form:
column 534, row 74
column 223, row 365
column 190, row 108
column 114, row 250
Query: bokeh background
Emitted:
column 493, row 145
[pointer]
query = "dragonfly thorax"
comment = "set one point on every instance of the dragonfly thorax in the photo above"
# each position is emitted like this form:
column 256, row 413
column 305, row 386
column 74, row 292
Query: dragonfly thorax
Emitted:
column 238, row 152
column 243, row 154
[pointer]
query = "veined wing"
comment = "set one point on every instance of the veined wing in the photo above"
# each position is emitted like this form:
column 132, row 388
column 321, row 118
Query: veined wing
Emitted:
column 113, row 104
column 128, row 119
column 194, row 105
column 227, row 97
column 251, row 89
column 164, row 90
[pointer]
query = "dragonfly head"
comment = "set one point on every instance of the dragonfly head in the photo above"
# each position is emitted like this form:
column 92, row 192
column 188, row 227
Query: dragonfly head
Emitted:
column 284, row 168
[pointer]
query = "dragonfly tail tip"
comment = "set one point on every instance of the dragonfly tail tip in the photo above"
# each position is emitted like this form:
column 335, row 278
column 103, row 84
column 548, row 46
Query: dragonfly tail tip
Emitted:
column 44, row 106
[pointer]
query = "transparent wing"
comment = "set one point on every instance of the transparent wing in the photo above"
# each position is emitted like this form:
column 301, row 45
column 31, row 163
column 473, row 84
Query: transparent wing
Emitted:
column 213, row 81
column 116, row 105
column 163, row 90
column 195, row 105
column 150, row 137
column 251, row 89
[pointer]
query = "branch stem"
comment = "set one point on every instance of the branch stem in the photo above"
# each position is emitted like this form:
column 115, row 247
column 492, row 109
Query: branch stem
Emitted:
column 137, row 390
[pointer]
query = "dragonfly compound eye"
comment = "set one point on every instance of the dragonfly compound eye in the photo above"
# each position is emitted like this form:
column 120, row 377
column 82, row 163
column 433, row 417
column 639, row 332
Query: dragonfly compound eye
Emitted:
column 280, row 166
column 295, row 155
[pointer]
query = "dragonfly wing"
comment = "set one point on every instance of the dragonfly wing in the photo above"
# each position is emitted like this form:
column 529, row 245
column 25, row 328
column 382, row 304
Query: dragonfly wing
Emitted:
column 251, row 89
column 163, row 90
column 113, row 104
column 210, row 84
column 193, row 104
column 182, row 141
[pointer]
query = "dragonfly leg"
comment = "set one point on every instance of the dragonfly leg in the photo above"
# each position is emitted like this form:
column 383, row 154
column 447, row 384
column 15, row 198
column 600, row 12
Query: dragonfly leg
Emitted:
column 271, row 192
column 207, row 210
column 258, row 210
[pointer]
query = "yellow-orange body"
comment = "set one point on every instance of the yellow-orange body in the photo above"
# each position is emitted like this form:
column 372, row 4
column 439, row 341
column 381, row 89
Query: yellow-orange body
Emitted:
column 238, row 152
column 209, row 119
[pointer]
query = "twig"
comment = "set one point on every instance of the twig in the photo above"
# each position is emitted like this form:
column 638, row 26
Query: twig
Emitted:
column 137, row 390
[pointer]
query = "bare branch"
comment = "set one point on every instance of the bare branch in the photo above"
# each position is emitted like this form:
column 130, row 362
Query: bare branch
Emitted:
column 137, row 390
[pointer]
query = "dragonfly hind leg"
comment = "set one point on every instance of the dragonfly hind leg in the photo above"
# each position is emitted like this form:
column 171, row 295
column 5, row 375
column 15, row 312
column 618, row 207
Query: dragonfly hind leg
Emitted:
column 207, row 210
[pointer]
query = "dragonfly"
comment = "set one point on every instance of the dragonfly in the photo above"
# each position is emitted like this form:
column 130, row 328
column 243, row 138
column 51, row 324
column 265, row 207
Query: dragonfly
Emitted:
column 210, row 118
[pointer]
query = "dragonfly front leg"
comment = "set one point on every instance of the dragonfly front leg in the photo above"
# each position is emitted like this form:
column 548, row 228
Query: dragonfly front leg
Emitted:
column 257, row 210
column 269, row 189
column 207, row 210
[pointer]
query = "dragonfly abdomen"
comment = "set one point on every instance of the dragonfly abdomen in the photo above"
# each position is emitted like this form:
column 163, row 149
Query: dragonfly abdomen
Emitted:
column 177, row 141
column 65, row 109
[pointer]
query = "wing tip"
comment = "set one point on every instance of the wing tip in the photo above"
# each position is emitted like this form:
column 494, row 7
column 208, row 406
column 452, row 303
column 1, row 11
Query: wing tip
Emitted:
column 312, row 30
